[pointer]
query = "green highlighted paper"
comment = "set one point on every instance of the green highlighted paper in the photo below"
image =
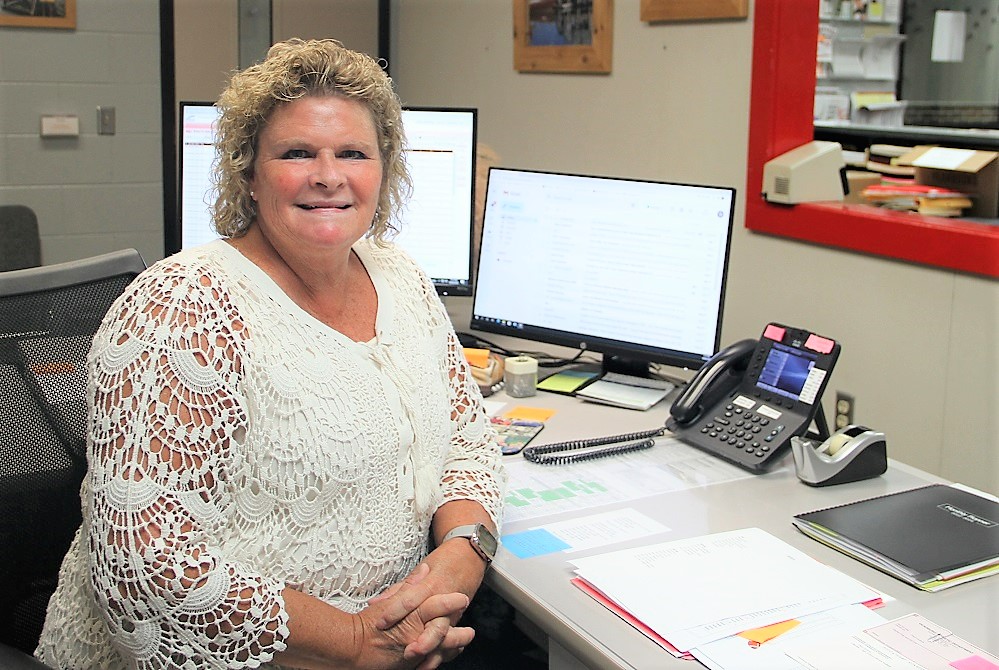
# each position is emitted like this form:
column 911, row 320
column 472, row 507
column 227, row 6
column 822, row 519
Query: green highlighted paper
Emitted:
column 522, row 497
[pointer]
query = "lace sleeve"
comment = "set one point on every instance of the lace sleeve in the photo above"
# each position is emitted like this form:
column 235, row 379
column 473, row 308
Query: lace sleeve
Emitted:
column 165, row 416
column 474, row 468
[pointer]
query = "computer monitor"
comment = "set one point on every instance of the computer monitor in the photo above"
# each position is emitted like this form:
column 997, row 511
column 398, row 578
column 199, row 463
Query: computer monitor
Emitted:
column 437, row 223
column 632, row 269
column 197, row 125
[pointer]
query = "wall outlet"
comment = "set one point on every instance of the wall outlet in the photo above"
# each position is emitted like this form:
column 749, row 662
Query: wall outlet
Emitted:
column 844, row 410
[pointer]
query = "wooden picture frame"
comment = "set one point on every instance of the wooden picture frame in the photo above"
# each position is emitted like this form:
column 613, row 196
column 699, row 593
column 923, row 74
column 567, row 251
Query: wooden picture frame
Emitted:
column 592, row 23
column 38, row 13
column 690, row 10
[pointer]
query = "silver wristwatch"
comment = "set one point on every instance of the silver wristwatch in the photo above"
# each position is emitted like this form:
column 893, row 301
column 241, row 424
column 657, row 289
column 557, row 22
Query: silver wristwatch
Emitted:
column 481, row 538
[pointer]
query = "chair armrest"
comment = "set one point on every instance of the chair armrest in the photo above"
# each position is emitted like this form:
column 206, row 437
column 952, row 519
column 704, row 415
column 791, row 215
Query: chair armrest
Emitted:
column 15, row 659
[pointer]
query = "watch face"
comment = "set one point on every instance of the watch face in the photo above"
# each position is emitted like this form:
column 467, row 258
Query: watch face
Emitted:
column 486, row 540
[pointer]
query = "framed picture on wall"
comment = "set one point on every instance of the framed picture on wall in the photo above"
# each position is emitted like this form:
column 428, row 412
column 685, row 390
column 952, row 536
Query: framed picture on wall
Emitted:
column 38, row 13
column 689, row 10
column 562, row 35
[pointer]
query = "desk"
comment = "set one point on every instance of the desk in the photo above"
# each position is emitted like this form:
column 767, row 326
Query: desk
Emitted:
column 582, row 633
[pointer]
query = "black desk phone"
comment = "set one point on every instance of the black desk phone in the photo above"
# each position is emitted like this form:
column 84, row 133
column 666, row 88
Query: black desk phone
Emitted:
column 747, row 402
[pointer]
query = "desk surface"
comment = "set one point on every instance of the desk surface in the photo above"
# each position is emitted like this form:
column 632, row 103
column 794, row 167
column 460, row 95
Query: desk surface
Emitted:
column 539, row 587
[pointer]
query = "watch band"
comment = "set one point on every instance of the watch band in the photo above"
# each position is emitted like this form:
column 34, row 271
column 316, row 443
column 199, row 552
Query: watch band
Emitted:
column 480, row 537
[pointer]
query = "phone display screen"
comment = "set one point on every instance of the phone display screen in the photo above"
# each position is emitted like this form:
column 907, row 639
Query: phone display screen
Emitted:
column 791, row 373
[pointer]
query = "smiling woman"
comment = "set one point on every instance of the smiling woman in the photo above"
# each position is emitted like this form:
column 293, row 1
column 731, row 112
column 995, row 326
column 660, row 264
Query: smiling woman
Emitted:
column 285, row 433
column 781, row 108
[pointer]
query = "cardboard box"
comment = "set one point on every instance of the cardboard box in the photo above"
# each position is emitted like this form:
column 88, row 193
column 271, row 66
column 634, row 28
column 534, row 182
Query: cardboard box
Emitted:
column 966, row 170
column 857, row 181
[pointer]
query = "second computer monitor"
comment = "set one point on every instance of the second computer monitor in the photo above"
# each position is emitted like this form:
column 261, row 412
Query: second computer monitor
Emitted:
column 632, row 269
column 437, row 224
column 198, row 127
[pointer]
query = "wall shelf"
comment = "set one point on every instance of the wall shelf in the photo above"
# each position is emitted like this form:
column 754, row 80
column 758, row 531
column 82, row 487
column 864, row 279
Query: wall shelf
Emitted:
column 847, row 133
column 861, row 22
column 890, row 80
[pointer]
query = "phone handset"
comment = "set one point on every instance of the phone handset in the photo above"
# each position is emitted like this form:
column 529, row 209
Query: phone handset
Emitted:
column 718, row 376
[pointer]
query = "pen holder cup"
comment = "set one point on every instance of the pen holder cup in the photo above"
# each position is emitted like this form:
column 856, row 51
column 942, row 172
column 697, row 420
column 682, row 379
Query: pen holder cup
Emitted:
column 520, row 376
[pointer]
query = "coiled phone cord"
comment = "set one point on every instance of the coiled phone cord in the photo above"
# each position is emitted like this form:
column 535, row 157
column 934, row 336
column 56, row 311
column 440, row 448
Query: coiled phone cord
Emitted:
column 554, row 454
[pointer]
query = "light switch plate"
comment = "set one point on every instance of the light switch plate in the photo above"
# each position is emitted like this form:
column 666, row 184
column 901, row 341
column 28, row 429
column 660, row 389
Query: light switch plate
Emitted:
column 105, row 120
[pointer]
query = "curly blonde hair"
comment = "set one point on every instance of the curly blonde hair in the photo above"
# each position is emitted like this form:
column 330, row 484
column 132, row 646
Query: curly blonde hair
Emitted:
column 294, row 69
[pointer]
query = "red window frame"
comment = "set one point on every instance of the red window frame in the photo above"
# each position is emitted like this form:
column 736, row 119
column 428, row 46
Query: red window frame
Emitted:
column 781, row 107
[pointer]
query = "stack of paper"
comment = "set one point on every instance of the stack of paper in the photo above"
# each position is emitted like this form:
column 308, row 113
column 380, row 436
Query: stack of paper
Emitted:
column 932, row 200
column 626, row 391
column 689, row 593
column 884, row 159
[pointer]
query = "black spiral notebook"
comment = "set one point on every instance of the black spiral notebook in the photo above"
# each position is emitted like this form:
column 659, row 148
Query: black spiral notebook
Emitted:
column 931, row 537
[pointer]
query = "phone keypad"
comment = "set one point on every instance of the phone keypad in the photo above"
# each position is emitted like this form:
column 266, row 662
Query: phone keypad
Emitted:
column 743, row 430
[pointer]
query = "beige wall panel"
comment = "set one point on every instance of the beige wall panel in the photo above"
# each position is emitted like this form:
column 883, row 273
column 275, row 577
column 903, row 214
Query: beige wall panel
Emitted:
column 353, row 22
column 206, row 47
column 970, row 392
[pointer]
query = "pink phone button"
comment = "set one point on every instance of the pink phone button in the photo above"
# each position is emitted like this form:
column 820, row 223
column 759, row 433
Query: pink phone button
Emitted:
column 774, row 332
column 820, row 344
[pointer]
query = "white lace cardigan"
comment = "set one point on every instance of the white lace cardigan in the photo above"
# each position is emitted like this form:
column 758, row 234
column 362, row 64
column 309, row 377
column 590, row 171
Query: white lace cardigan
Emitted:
column 238, row 445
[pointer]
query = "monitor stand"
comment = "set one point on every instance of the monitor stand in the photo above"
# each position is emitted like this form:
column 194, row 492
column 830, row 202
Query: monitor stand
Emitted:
column 633, row 367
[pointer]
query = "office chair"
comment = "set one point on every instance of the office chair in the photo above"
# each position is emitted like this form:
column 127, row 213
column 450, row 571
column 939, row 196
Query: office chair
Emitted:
column 20, row 244
column 48, row 317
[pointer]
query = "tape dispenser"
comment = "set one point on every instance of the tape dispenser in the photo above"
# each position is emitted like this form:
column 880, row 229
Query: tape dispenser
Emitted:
column 850, row 454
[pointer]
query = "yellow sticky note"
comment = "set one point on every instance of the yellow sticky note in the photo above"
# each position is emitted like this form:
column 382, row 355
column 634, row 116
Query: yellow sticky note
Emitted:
column 531, row 413
column 566, row 382
column 758, row 636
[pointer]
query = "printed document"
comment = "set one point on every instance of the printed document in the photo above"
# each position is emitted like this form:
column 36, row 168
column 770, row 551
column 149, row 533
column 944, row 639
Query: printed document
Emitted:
column 539, row 490
column 697, row 590
column 581, row 533
column 838, row 623
column 905, row 643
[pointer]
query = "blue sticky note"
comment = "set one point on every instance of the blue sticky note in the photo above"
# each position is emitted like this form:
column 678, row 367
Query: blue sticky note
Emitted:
column 532, row 543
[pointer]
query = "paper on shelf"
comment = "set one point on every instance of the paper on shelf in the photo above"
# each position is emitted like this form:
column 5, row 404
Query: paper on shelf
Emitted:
column 943, row 158
column 880, row 57
column 846, row 59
